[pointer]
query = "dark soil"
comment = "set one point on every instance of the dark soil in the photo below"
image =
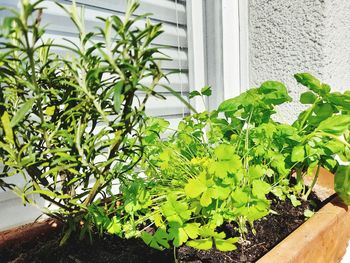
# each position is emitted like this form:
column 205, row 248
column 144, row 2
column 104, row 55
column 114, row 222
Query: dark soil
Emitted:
column 269, row 232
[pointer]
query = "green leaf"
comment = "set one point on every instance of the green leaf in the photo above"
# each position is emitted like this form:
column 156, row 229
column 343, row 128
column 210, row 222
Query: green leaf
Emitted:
column 202, row 187
column 221, row 168
column 230, row 105
column 193, row 94
column 342, row 183
column 298, row 153
column 114, row 227
column 146, row 237
column 117, row 96
column 222, row 192
column 224, row 152
column 312, row 83
column 278, row 162
column 335, row 146
column 50, row 110
column 136, row 197
column 324, row 110
column 255, row 212
column 256, row 172
column 209, row 231
column 178, row 235
column 157, row 124
column 309, row 81
column 202, row 244
column 260, row 189
column 176, row 212
column 158, row 241
column 7, row 25
column 228, row 161
column 22, row 112
column 206, row 198
column 51, row 194
column 330, row 164
column 161, row 237
column 216, row 220
column 226, row 244
column 294, row 200
column 308, row 97
column 195, row 187
column 5, row 120
column 30, row 159
column 206, row 91
column 192, row 230
column 154, row 127
column 335, row 125
column 240, row 196
column 339, row 99
column 274, row 92
column 325, row 88
column 278, row 191
column 164, row 158
column 308, row 213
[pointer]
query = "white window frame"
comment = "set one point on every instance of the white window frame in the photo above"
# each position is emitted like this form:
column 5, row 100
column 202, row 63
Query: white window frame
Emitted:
column 196, row 49
column 218, row 45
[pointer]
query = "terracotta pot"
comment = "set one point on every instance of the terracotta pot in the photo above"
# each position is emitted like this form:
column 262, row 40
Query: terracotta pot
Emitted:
column 322, row 238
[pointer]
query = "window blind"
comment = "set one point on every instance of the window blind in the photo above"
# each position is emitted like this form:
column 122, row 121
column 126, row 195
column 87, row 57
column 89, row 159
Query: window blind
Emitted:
column 171, row 13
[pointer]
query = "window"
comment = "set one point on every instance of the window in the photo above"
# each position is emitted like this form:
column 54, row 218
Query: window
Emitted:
column 172, row 14
column 203, row 37
column 218, row 48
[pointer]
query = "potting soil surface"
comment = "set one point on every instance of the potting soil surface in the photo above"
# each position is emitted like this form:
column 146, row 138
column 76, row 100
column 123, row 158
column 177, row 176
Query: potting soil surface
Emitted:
column 269, row 232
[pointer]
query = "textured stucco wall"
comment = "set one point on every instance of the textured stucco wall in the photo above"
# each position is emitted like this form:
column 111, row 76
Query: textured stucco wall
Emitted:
column 337, row 44
column 291, row 36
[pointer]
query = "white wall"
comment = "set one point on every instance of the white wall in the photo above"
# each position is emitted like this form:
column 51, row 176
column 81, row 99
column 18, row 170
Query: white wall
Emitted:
column 293, row 36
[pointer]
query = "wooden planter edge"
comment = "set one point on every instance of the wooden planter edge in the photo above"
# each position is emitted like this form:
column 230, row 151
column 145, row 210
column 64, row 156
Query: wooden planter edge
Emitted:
column 322, row 238
column 27, row 232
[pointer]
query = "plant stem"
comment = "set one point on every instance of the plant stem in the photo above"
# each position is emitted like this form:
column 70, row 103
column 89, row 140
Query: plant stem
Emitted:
column 175, row 259
column 313, row 182
column 300, row 178
column 30, row 52
column 307, row 115
column 246, row 141
column 336, row 138
column 92, row 193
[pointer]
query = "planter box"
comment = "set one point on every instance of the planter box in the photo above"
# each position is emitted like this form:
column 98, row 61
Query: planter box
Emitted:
column 27, row 233
column 322, row 238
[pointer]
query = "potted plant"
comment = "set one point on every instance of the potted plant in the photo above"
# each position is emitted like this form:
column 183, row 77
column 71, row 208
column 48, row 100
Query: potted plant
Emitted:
column 75, row 127
column 229, row 165
column 70, row 123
